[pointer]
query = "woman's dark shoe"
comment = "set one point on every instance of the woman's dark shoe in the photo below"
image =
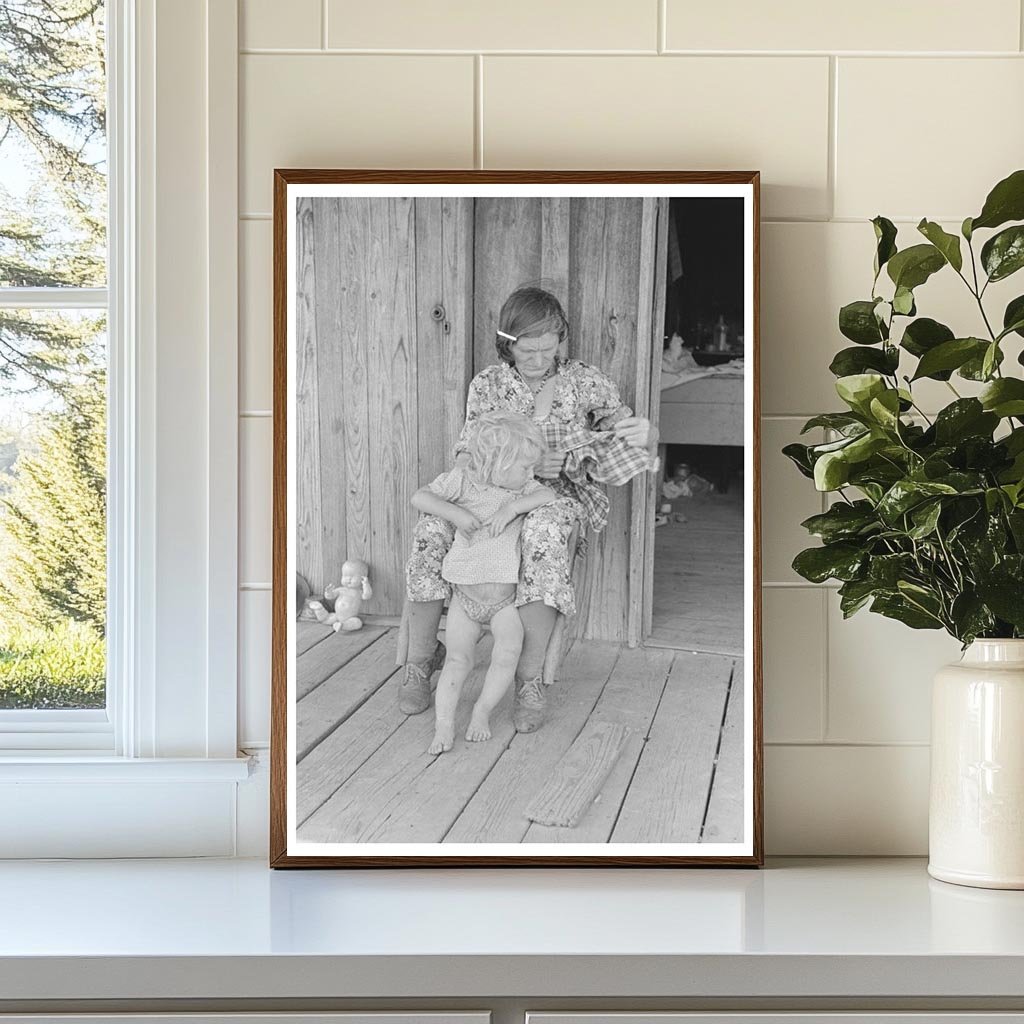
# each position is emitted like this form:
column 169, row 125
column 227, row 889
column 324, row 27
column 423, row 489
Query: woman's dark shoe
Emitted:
column 529, row 706
column 414, row 695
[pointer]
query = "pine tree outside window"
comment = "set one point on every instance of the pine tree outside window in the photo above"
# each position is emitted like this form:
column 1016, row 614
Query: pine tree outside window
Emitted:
column 53, row 366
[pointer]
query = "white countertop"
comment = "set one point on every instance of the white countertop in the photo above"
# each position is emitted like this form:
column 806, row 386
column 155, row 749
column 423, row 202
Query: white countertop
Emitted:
column 233, row 929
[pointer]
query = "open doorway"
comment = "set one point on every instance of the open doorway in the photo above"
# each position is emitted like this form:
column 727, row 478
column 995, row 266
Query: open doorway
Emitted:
column 699, row 585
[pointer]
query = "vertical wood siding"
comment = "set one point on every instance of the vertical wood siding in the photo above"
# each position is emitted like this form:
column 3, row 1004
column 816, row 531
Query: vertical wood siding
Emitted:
column 382, row 380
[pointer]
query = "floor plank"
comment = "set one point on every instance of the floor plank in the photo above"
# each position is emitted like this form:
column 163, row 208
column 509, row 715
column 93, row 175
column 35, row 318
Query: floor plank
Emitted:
column 495, row 813
column 577, row 780
column 402, row 793
column 724, row 823
column 668, row 795
column 325, row 658
column 340, row 755
column 308, row 634
column 699, row 577
column 631, row 698
column 320, row 711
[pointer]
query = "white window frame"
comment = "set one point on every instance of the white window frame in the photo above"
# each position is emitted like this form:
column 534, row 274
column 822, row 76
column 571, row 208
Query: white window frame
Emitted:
column 171, row 719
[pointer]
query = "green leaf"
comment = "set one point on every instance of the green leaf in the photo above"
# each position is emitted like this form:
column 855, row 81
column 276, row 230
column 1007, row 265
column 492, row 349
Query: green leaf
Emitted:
column 970, row 617
column 840, row 561
column 965, row 228
column 799, row 455
column 990, row 361
column 885, row 409
column 857, row 321
column 885, row 236
column 950, row 355
column 1005, row 202
column 899, row 608
column 841, row 421
column 947, row 244
column 1005, row 596
column 1004, row 397
column 1013, row 317
column 966, row 417
column 850, row 361
column 974, row 368
column 858, row 389
column 913, row 266
column 904, row 495
column 864, row 446
column 831, row 471
column 854, row 594
column 887, row 570
column 925, row 518
column 924, row 334
column 903, row 302
column 1003, row 254
column 842, row 521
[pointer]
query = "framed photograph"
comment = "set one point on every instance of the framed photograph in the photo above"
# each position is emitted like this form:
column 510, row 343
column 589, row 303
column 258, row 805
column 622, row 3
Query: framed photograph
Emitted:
column 516, row 563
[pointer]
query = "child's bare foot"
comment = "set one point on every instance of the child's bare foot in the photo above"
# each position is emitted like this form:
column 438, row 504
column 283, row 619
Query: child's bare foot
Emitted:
column 444, row 736
column 479, row 727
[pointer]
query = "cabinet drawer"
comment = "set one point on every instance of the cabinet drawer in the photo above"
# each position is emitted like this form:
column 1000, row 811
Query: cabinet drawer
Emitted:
column 355, row 1017
column 933, row 1017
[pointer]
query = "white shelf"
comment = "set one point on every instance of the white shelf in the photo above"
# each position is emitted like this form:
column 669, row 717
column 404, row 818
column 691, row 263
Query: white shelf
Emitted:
column 223, row 929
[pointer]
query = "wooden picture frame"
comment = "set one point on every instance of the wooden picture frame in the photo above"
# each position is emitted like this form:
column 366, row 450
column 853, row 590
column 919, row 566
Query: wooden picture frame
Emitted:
column 387, row 288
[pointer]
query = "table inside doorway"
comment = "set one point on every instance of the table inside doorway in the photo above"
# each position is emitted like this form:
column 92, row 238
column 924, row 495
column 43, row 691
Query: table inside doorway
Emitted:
column 706, row 410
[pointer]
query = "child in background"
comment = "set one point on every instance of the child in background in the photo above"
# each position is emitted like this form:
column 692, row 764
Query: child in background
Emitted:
column 485, row 500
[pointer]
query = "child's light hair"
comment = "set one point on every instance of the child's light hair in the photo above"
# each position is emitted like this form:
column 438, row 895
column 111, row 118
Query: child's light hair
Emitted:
column 499, row 440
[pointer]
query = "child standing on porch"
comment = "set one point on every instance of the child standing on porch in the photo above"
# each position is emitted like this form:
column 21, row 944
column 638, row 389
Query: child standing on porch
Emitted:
column 485, row 500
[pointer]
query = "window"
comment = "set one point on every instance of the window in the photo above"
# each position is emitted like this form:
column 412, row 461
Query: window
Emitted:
column 155, row 771
column 53, row 371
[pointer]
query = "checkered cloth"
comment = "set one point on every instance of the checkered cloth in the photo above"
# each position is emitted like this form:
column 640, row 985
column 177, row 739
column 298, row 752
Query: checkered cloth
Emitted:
column 592, row 457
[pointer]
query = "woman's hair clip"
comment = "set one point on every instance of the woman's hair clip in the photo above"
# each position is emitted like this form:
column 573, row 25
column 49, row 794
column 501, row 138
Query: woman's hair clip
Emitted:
column 511, row 337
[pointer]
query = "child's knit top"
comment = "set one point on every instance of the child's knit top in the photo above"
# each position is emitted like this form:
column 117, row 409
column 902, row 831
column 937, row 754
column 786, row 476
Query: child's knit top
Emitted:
column 482, row 559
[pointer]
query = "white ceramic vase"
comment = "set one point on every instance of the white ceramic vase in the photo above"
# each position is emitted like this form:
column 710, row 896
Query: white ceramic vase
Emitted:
column 976, row 813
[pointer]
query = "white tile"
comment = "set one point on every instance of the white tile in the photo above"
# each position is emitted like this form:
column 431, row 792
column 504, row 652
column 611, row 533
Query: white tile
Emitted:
column 880, row 676
column 808, row 272
column 787, row 499
column 847, row 801
column 255, row 506
column 351, row 111
column 270, row 24
column 961, row 131
column 255, row 316
column 680, row 113
column 471, row 25
column 793, row 632
column 254, row 617
column 868, row 25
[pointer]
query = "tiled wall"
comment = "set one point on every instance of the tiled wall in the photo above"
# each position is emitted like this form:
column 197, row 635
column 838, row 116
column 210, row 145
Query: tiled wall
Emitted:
column 906, row 109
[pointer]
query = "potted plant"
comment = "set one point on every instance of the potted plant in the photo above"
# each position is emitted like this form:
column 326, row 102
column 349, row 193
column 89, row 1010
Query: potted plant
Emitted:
column 926, row 524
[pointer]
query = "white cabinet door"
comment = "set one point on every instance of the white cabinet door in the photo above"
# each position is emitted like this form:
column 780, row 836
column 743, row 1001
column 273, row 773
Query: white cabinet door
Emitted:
column 933, row 1017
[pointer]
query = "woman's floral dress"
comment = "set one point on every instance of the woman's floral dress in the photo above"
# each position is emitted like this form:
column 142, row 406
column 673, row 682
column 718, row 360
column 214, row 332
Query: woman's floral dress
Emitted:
column 585, row 399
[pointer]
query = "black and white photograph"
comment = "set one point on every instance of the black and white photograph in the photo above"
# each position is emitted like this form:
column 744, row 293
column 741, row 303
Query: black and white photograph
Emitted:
column 516, row 567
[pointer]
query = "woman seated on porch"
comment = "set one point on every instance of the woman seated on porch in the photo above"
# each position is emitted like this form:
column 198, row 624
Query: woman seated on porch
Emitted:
column 592, row 438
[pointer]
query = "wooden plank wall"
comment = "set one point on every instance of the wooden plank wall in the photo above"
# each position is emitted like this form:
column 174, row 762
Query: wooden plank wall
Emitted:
column 598, row 256
column 444, row 279
column 381, row 384
column 382, row 381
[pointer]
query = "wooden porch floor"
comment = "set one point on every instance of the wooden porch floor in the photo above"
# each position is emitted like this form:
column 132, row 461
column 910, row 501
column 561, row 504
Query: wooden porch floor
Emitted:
column 364, row 774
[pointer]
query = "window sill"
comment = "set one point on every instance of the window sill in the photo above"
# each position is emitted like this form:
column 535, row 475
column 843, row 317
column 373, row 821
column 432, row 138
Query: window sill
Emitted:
column 74, row 766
